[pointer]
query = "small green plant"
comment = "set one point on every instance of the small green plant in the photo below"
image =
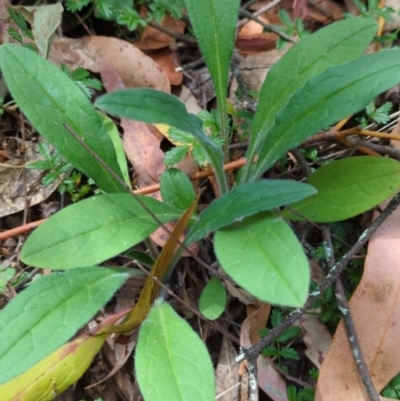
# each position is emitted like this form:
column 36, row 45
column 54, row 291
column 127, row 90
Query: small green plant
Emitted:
column 305, row 394
column 278, row 349
column 124, row 12
column 325, row 79
column 291, row 28
column 59, row 169
column 392, row 390
column 25, row 31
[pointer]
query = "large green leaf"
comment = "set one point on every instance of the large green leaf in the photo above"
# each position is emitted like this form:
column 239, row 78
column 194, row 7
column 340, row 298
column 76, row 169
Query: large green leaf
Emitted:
column 246, row 200
column 93, row 230
column 49, row 312
column 336, row 44
column 325, row 99
column 262, row 254
column 49, row 99
column 214, row 24
column 347, row 188
column 155, row 107
column 171, row 362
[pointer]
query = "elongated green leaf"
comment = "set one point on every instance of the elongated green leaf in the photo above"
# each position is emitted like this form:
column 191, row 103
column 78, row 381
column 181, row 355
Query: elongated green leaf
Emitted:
column 214, row 24
column 246, row 200
column 155, row 107
column 325, row 99
column 262, row 254
column 347, row 188
column 213, row 299
column 176, row 189
column 171, row 362
column 336, row 44
column 112, row 130
column 92, row 231
column 49, row 312
column 49, row 99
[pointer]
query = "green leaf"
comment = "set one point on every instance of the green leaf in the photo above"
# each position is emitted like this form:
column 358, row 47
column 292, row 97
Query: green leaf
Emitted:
column 119, row 149
column 93, row 230
column 246, row 200
column 49, row 312
column 49, row 99
column 176, row 189
column 213, row 299
column 214, row 24
column 262, row 254
column 171, row 362
column 347, row 188
column 155, row 107
column 336, row 44
column 150, row 106
column 325, row 99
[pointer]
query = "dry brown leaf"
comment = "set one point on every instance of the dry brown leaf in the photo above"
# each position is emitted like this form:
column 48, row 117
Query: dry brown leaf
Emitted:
column 17, row 192
column 254, row 69
column 134, row 67
column 316, row 338
column 227, row 372
column 168, row 61
column 251, row 38
column 375, row 307
column 269, row 380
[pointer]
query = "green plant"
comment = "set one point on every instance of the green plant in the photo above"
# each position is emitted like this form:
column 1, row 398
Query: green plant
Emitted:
column 124, row 12
column 319, row 81
column 278, row 350
column 305, row 394
column 392, row 390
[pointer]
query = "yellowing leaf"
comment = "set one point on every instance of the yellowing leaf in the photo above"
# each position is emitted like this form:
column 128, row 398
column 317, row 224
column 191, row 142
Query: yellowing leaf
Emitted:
column 55, row 373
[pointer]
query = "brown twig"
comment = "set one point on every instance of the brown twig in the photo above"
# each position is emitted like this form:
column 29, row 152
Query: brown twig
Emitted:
column 347, row 319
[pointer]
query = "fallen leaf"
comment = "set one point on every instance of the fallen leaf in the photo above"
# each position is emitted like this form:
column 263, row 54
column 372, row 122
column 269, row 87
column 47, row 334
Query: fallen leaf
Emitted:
column 375, row 308
column 16, row 192
column 168, row 61
column 134, row 67
column 227, row 372
column 254, row 69
column 269, row 380
column 316, row 337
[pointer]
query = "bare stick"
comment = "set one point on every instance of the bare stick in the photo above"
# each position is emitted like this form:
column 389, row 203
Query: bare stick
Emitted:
column 348, row 320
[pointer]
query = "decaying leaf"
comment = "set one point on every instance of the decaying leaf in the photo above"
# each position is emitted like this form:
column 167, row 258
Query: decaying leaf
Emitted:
column 15, row 192
column 135, row 68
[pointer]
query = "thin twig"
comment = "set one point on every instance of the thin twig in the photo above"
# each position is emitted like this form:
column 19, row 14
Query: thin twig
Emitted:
column 190, row 66
column 268, row 27
column 260, row 11
column 170, row 32
column 330, row 278
column 347, row 319
column 301, row 161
